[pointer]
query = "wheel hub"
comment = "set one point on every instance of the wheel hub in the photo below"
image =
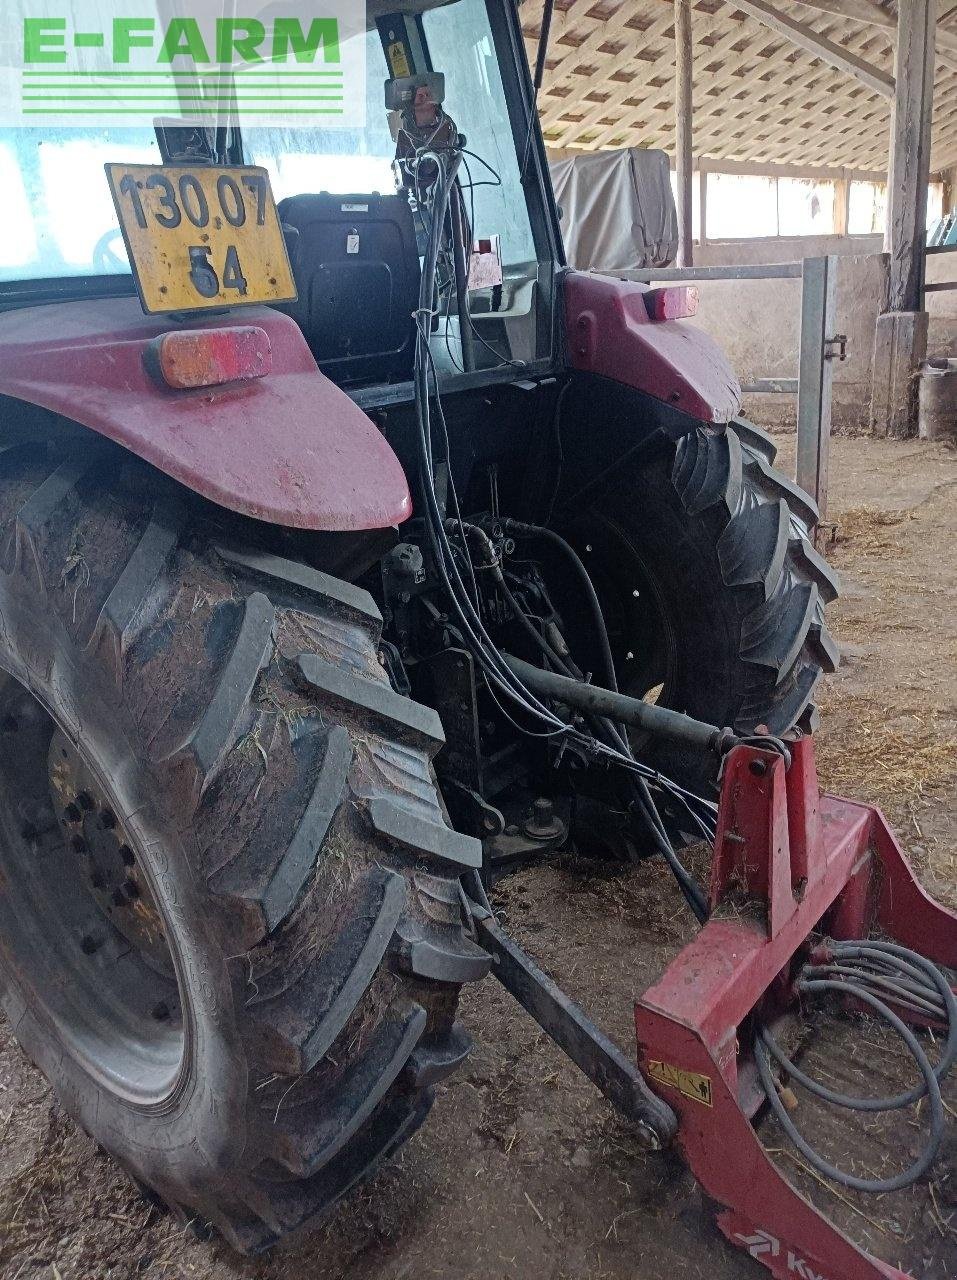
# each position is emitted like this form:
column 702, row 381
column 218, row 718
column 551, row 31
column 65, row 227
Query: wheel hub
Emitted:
column 97, row 838
column 81, row 919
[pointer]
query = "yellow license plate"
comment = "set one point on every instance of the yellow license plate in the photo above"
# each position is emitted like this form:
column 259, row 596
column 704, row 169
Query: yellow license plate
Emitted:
column 201, row 237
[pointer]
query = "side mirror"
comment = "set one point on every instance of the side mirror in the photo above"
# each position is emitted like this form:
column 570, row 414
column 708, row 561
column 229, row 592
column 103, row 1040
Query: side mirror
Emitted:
column 400, row 95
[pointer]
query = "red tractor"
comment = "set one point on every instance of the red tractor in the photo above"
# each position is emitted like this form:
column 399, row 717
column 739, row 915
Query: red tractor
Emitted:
column 326, row 602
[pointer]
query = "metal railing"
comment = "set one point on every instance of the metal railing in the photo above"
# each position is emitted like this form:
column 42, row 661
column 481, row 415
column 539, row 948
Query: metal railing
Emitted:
column 820, row 346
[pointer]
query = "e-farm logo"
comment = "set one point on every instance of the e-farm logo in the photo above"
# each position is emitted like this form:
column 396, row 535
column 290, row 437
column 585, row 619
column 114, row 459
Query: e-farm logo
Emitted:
column 204, row 62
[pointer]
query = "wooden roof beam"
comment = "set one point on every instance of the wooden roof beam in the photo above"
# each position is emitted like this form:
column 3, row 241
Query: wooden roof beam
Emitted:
column 814, row 43
column 877, row 16
column 874, row 15
column 821, row 173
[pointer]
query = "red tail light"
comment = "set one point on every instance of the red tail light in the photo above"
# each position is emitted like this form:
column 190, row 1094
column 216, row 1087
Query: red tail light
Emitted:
column 188, row 358
column 672, row 304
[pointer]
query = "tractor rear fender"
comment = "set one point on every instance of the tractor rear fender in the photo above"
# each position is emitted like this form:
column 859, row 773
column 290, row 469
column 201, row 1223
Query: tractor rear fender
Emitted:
column 288, row 447
column 611, row 334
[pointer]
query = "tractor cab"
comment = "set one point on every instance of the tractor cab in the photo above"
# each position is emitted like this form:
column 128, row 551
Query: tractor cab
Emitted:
column 353, row 202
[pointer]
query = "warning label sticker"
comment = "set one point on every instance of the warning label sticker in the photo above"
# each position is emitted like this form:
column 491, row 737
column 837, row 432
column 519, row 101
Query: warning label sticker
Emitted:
column 692, row 1084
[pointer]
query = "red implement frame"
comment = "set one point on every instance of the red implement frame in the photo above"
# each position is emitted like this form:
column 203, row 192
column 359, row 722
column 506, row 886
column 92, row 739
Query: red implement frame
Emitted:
column 814, row 864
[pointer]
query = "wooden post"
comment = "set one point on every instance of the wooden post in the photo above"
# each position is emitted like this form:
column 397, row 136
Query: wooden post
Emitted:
column 910, row 159
column 842, row 205
column 684, row 108
column 900, row 343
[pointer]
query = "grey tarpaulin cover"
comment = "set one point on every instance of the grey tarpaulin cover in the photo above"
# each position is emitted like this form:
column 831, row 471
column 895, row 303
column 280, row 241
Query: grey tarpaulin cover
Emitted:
column 619, row 210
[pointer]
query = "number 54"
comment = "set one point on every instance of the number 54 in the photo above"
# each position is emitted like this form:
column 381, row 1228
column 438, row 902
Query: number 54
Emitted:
column 203, row 274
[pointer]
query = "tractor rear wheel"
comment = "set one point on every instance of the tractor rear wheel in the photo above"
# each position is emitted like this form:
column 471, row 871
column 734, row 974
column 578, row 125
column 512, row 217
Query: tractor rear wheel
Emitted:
column 231, row 932
column 712, row 589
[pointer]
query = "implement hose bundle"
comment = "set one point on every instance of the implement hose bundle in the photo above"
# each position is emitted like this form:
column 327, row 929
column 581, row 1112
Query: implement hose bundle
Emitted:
column 879, row 975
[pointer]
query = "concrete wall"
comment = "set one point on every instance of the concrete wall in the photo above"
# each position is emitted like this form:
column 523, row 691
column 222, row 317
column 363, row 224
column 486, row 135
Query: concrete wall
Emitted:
column 758, row 321
column 942, row 307
column 942, row 340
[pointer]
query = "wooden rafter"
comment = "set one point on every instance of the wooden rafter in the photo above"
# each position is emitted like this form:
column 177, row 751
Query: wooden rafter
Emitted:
column 875, row 15
column 807, row 38
column 860, row 10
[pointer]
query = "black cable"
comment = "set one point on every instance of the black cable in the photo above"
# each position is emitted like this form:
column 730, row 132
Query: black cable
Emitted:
column 479, row 641
column 484, row 651
column 523, row 530
column 483, row 648
column 692, row 891
column 900, row 992
column 933, row 981
column 482, row 161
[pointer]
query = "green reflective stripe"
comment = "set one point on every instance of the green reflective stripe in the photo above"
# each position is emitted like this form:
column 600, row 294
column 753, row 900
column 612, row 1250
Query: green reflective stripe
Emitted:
column 184, row 97
column 138, row 111
column 175, row 75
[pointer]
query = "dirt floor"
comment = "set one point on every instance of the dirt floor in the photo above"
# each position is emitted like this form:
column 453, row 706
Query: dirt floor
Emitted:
column 524, row 1170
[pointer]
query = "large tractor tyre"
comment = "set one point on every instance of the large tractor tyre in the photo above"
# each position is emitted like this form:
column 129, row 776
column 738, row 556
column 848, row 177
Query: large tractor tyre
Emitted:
column 231, row 932
column 713, row 591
